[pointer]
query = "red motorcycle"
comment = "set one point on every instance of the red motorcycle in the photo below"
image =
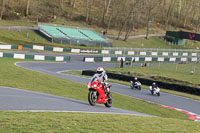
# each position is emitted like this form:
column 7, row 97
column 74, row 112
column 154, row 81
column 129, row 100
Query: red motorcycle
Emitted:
column 97, row 94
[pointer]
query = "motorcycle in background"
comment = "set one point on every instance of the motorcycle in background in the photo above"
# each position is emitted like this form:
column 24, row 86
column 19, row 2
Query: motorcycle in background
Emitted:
column 135, row 85
column 154, row 90
column 97, row 94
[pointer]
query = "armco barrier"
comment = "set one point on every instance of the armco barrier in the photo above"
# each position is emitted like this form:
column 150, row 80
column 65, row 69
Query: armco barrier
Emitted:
column 116, row 52
column 34, row 57
column 8, row 47
column 142, row 59
column 148, row 82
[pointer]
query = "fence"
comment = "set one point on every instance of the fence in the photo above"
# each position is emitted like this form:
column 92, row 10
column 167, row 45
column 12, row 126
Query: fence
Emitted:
column 34, row 57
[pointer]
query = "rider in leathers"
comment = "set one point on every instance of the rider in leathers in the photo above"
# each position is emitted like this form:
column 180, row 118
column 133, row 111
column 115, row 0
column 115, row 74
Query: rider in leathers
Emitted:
column 102, row 77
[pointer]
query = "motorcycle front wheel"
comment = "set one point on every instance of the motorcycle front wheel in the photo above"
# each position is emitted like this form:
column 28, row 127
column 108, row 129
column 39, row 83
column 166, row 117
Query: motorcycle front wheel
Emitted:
column 139, row 88
column 109, row 101
column 92, row 98
column 152, row 92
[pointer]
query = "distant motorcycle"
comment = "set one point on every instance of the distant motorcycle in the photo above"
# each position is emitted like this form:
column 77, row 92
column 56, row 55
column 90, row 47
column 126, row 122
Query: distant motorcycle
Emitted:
column 135, row 85
column 154, row 90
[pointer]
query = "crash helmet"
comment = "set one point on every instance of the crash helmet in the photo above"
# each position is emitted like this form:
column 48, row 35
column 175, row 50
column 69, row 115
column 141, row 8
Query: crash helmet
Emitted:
column 135, row 78
column 154, row 83
column 100, row 70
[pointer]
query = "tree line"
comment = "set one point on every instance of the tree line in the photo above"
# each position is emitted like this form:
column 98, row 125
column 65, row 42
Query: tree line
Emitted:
column 124, row 15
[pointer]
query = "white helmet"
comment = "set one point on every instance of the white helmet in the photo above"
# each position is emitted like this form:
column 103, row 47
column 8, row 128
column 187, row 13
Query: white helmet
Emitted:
column 135, row 78
column 100, row 70
column 154, row 83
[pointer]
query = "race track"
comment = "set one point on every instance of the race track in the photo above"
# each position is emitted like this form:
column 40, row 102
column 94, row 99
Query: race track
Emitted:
column 65, row 104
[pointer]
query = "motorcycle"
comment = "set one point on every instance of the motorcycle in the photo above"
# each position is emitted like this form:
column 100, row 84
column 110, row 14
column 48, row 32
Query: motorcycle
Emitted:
column 135, row 85
column 97, row 94
column 154, row 90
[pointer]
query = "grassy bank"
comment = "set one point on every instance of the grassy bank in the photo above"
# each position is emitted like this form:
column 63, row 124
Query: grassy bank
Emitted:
column 26, row 79
column 86, row 123
column 178, row 73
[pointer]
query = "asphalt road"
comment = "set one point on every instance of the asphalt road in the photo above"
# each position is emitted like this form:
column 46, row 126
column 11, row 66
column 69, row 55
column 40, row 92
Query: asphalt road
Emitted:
column 165, row 99
column 24, row 100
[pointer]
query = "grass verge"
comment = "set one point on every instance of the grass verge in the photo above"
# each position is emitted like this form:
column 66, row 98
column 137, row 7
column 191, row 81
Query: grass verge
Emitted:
column 177, row 73
column 26, row 79
column 88, row 123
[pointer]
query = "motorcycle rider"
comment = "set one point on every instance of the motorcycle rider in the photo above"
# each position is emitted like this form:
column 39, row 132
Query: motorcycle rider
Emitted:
column 154, row 86
column 135, row 82
column 102, row 77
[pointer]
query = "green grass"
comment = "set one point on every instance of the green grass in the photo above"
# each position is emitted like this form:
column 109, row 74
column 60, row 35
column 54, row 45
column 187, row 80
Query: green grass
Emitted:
column 31, row 37
column 89, row 123
column 16, row 23
column 180, row 74
column 26, row 79
column 153, row 42
column 195, row 97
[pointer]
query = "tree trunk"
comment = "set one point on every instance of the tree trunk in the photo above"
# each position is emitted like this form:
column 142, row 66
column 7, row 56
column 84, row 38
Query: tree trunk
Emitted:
column 90, row 19
column 104, row 11
column 148, row 28
column 74, row 4
column 111, row 15
column 129, row 29
column 2, row 9
column 124, row 22
column 197, row 25
column 27, row 7
column 70, row 2
column 61, row 4
column 120, row 31
column 185, row 17
column 72, row 9
column 107, row 7
column 87, row 11
column 169, row 12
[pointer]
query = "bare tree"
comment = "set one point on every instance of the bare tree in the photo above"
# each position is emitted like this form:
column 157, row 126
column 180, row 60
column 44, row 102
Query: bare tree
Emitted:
column 125, row 20
column 150, row 6
column 170, row 9
column 87, row 10
column 70, row 2
column 2, row 9
column 27, row 7
column 106, row 7
column 72, row 8
column 111, row 16
column 61, row 4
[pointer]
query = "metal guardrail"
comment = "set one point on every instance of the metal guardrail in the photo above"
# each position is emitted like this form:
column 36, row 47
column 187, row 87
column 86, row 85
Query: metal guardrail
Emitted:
column 151, row 49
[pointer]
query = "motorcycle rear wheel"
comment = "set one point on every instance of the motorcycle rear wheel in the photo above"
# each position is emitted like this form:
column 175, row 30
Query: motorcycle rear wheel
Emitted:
column 109, row 102
column 92, row 98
